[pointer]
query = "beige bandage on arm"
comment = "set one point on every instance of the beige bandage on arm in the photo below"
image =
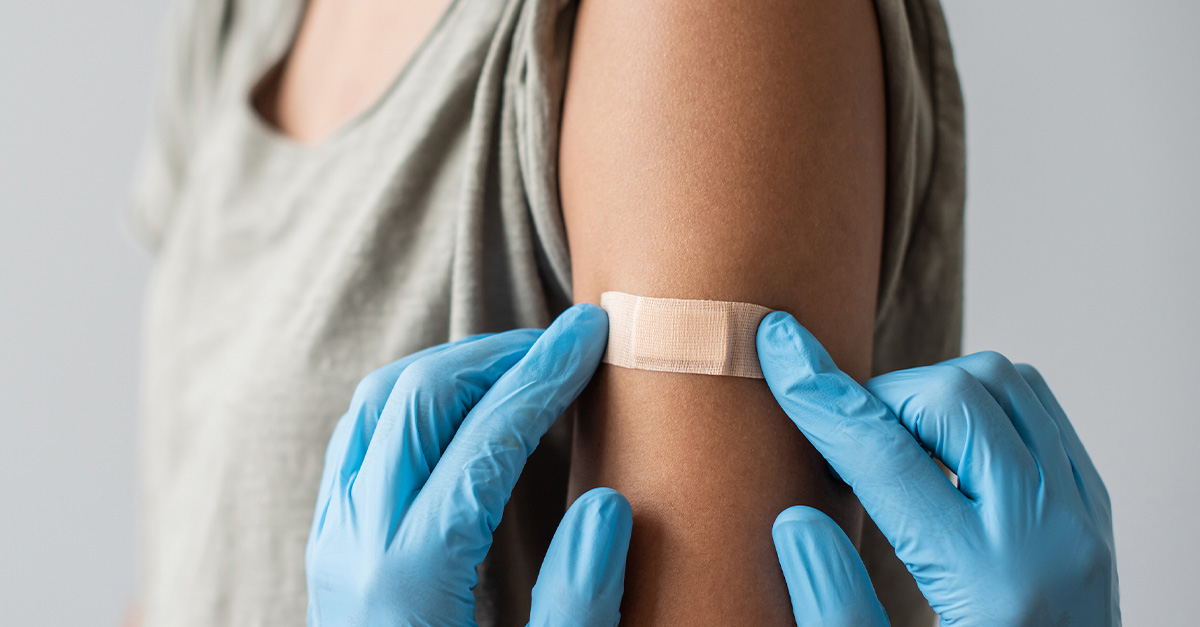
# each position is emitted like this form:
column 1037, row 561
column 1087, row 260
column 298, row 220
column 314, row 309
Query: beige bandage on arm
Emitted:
column 687, row 336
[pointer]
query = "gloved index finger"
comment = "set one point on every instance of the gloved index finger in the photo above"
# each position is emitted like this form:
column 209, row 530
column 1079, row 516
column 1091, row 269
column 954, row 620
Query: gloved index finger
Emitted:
column 468, row 489
column 899, row 485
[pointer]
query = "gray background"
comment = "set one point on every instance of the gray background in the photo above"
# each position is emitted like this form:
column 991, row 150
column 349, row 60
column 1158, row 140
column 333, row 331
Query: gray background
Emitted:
column 1083, row 258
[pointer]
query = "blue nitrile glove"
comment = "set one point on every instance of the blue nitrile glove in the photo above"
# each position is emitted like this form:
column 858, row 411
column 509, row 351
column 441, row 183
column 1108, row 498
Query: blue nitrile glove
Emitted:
column 418, row 472
column 826, row 579
column 1026, row 537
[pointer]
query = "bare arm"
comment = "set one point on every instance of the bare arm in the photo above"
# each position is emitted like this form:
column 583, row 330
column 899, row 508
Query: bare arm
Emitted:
column 726, row 150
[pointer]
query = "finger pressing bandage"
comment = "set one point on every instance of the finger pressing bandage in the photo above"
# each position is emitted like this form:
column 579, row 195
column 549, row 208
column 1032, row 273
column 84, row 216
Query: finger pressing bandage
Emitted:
column 686, row 336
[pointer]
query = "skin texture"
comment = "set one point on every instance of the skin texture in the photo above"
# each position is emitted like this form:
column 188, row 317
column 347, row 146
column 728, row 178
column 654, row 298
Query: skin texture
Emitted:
column 311, row 93
column 726, row 150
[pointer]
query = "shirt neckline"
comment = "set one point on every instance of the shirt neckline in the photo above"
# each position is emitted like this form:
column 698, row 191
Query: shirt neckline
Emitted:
column 278, row 50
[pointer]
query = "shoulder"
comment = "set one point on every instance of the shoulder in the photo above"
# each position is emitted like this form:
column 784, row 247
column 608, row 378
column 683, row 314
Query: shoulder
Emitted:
column 721, row 26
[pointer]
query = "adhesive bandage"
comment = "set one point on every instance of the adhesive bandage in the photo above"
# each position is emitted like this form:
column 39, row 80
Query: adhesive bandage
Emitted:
column 686, row 336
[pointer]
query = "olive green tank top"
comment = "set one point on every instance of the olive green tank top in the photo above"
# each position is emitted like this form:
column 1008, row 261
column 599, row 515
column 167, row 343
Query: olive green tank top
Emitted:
column 284, row 273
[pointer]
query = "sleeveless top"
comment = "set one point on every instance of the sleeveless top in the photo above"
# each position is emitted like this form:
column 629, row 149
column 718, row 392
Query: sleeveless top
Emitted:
column 285, row 273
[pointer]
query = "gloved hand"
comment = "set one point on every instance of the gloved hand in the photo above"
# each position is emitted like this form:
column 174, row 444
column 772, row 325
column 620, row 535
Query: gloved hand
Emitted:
column 1026, row 537
column 418, row 471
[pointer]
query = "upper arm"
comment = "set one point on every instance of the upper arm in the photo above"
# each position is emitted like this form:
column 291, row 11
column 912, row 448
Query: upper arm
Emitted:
column 723, row 150
column 729, row 150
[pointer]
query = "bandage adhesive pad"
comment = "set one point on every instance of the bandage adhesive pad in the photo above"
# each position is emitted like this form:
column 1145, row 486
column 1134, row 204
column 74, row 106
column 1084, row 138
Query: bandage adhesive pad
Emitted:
column 684, row 336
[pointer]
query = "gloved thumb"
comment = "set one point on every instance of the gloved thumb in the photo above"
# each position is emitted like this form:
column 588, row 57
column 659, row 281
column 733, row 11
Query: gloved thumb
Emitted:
column 826, row 579
column 583, row 576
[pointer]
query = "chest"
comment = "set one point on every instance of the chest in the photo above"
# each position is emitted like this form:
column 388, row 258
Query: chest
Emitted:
column 345, row 56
